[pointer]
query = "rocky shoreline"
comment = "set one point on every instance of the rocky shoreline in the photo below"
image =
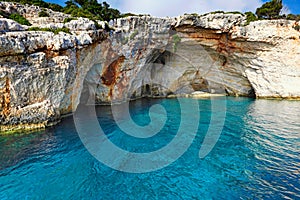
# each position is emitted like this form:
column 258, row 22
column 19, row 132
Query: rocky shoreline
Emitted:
column 44, row 75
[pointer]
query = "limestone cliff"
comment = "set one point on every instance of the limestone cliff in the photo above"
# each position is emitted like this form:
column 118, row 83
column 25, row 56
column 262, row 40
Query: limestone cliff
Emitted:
column 44, row 76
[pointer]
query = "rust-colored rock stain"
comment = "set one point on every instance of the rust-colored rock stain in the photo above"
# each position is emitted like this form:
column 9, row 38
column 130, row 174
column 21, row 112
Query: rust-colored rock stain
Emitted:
column 221, row 42
column 5, row 98
column 111, row 73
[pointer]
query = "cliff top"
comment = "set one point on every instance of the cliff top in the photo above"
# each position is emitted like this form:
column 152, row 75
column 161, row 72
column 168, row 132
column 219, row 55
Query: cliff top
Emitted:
column 34, row 18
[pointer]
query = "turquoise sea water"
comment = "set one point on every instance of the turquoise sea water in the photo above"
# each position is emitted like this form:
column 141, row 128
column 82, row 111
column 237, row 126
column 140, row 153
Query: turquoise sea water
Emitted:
column 256, row 157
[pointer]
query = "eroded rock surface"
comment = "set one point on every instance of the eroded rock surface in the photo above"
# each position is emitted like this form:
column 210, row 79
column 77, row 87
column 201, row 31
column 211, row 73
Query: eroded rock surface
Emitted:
column 44, row 76
column 31, row 13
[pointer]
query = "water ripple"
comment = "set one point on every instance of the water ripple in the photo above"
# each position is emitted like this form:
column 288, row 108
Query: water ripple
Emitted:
column 256, row 157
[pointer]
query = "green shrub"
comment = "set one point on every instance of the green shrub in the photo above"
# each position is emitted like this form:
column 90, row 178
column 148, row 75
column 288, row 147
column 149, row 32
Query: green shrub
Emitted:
column 43, row 14
column 55, row 31
column 20, row 19
column 68, row 19
column 297, row 27
column 55, row 7
column 33, row 28
column 251, row 17
column 128, row 15
column 66, row 30
column 176, row 40
column 91, row 9
column 293, row 17
column 80, row 12
column 269, row 10
column 217, row 11
column 194, row 14
column 132, row 36
column 234, row 12
column 124, row 40
column 132, row 15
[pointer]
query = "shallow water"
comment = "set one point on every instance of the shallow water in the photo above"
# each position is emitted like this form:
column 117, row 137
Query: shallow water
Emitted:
column 256, row 157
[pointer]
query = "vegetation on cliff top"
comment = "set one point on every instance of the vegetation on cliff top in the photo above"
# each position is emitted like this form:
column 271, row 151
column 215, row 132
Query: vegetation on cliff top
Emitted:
column 270, row 10
column 39, row 3
column 20, row 19
column 78, row 8
column 43, row 13
column 251, row 17
column 55, row 31
column 176, row 41
column 94, row 10
column 91, row 9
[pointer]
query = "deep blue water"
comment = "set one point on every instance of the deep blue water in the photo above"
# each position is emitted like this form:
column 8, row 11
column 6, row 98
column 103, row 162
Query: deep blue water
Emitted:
column 256, row 157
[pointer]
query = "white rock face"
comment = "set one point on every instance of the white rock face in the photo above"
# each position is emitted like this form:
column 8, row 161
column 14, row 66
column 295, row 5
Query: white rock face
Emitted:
column 275, row 71
column 260, row 59
column 81, row 24
column 37, row 76
column 54, row 21
column 43, row 75
column 217, row 21
column 31, row 13
column 10, row 25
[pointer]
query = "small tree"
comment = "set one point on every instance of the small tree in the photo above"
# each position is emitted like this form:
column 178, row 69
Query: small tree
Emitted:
column 91, row 9
column 251, row 17
column 20, row 19
column 270, row 10
column 293, row 17
column 43, row 13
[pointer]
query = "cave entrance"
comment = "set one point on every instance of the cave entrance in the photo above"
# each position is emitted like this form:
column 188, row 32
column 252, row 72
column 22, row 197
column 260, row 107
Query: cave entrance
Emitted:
column 199, row 83
column 147, row 89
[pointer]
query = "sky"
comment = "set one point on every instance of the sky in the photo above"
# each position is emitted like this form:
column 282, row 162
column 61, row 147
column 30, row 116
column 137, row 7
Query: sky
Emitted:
column 171, row 8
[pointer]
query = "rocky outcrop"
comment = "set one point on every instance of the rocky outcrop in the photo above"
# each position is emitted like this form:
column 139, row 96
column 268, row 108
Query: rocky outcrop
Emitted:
column 275, row 71
column 79, row 24
column 10, row 25
column 31, row 13
column 54, row 21
column 44, row 76
column 37, row 75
